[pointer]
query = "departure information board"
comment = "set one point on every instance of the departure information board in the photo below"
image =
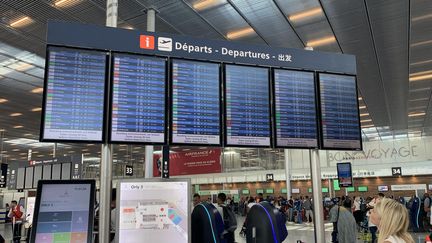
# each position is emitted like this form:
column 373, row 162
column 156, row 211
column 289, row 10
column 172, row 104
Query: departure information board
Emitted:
column 74, row 95
column 339, row 112
column 195, row 103
column 295, row 109
column 247, row 106
column 138, row 99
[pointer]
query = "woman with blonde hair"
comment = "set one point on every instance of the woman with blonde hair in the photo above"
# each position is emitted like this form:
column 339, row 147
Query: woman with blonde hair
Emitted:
column 392, row 220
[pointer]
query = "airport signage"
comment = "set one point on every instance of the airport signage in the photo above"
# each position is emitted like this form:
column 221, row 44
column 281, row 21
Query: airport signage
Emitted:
column 396, row 171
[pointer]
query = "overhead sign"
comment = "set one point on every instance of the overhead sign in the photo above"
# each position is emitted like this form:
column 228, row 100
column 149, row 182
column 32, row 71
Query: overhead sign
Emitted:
column 162, row 44
column 129, row 170
column 269, row 177
column 396, row 171
column 3, row 175
column 190, row 162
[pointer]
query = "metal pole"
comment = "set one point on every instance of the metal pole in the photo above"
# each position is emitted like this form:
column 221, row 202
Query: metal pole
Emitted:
column 148, row 172
column 330, row 188
column 106, row 162
column 288, row 173
column 317, row 196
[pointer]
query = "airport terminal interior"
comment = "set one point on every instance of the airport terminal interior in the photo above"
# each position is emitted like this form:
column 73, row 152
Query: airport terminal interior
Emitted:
column 197, row 121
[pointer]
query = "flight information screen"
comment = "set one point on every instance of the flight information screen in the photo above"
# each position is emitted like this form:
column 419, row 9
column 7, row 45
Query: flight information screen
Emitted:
column 74, row 95
column 247, row 106
column 138, row 99
column 339, row 112
column 195, row 103
column 295, row 110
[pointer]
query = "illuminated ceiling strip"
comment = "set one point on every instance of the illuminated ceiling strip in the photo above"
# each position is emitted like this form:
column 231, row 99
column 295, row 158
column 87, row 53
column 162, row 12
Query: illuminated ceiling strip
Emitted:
column 420, row 78
column 322, row 41
column 19, row 21
column 305, row 14
column 240, row 33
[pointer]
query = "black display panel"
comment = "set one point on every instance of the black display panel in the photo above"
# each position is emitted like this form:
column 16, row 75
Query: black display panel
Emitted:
column 196, row 103
column 344, row 171
column 74, row 95
column 37, row 175
column 247, row 106
column 64, row 211
column 138, row 99
column 340, row 119
column 295, row 109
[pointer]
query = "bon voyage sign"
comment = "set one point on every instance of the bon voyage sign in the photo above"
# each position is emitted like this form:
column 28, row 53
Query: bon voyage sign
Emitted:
column 190, row 162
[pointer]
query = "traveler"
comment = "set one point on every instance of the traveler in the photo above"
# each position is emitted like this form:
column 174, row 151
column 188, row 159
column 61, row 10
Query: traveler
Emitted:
column 391, row 217
column 196, row 199
column 372, row 227
column 344, row 225
column 307, row 206
column 358, row 215
column 427, row 212
column 17, row 214
column 229, row 218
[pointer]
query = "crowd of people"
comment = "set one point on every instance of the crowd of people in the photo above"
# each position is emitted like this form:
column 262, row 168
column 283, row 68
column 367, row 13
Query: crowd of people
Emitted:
column 376, row 215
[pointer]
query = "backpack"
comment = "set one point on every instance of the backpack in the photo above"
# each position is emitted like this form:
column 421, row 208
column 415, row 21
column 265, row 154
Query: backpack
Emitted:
column 230, row 220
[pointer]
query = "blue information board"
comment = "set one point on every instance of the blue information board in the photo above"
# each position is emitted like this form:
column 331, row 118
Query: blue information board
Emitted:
column 295, row 109
column 138, row 99
column 196, row 109
column 74, row 95
column 339, row 112
column 247, row 106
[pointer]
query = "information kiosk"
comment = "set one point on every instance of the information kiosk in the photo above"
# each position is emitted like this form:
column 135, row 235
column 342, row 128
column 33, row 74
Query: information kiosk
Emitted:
column 64, row 211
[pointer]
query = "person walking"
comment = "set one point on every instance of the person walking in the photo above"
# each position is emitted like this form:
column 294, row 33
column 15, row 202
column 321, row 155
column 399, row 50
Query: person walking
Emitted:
column 307, row 206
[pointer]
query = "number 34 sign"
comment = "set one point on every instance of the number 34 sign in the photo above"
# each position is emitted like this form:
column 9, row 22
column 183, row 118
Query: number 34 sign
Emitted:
column 396, row 171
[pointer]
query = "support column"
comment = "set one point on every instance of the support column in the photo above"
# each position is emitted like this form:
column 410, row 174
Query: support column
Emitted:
column 106, row 160
column 288, row 173
column 318, row 209
column 148, row 173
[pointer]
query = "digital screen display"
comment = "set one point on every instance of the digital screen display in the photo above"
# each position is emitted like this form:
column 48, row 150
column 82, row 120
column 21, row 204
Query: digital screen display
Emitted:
column 259, row 190
column 46, row 173
column 63, row 214
column 56, row 172
column 138, row 99
column 66, row 171
column 362, row 188
column 74, row 96
column 247, row 106
column 269, row 191
column 295, row 109
column 37, row 175
column 296, row 190
column 29, row 177
column 383, row 188
column 344, row 172
column 195, row 103
column 155, row 211
column 339, row 112
column 20, row 178
column 245, row 191
column 29, row 207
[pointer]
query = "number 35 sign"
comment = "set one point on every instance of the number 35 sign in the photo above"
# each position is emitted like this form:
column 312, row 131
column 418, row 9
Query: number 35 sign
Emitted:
column 396, row 171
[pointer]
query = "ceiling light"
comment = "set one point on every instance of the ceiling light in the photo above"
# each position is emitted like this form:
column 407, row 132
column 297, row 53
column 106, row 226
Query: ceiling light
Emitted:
column 18, row 126
column 37, row 90
column 367, row 120
column 2, row 130
column 36, row 109
column 362, row 107
column 21, row 22
column 421, row 62
column 420, row 89
column 66, row 3
column 305, row 14
column 360, row 98
column 421, row 43
column 205, row 4
column 414, row 114
column 16, row 114
column 423, row 17
column 21, row 66
column 240, row 33
column 15, row 150
column 367, row 126
column 420, row 77
column 364, row 114
column 3, row 100
column 322, row 41
column 419, row 99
